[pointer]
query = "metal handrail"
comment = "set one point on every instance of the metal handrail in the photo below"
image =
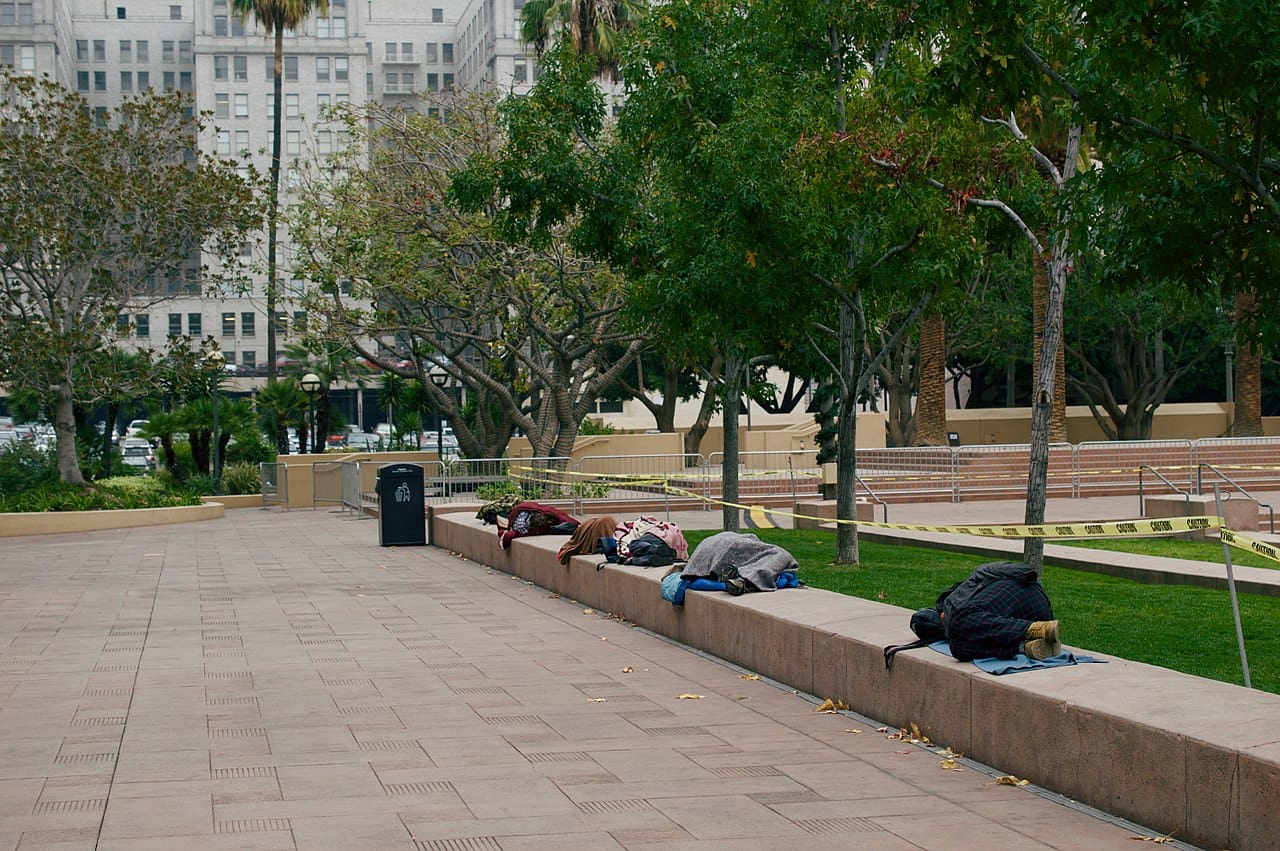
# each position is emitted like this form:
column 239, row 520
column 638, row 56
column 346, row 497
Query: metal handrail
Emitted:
column 874, row 496
column 1200, row 489
column 1142, row 500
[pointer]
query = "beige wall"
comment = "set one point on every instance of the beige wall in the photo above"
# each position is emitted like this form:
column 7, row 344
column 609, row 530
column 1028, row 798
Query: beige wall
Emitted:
column 1013, row 425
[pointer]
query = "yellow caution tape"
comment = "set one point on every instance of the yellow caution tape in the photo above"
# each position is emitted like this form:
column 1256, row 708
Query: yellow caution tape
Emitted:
column 1253, row 545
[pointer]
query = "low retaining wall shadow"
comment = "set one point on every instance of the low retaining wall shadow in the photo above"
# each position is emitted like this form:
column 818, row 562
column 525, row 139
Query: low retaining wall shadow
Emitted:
column 1186, row 756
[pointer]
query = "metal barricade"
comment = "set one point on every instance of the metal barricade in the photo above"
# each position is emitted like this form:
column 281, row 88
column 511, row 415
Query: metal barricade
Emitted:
column 275, row 484
column 771, row 475
column 639, row 478
column 1110, row 467
column 1000, row 471
column 326, row 483
column 536, row 478
column 352, row 492
column 911, row 471
column 1253, row 462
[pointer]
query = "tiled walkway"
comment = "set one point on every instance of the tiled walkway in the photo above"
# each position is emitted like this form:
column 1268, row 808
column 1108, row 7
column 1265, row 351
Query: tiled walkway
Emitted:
column 276, row 680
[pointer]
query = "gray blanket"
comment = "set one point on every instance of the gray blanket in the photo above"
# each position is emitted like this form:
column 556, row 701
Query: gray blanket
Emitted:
column 756, row 562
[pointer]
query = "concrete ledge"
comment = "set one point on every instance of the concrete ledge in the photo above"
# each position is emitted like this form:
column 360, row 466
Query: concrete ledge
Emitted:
column 58, row 522
column 1238, row 513
column 826, row 509
column 1182, row 755
column 243, row 500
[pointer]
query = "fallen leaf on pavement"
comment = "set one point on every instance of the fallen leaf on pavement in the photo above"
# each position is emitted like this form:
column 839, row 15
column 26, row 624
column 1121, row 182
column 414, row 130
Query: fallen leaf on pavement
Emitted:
column 1010, row 780
column 690, row 697
column 748, row 676
column 596, row 699
column 830, row 705
column 626, row 670
column 950, row 765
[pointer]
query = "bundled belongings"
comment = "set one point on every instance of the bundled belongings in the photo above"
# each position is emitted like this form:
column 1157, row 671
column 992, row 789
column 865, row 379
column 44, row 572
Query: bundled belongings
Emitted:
column 630, row 531
column 533, row 518
column 742, row 561
column 999, row 611
column 586, row 538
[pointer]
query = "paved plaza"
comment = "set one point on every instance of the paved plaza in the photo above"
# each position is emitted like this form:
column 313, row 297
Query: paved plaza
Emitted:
column 275, row 680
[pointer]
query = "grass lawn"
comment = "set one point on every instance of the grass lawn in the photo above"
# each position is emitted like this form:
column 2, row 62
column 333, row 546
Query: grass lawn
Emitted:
column 1179, row 627
column 1210, row 551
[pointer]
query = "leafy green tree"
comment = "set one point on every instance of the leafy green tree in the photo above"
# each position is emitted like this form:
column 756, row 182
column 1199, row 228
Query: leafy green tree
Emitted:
column 97, row 207
column 276, row 16
column 524, row 327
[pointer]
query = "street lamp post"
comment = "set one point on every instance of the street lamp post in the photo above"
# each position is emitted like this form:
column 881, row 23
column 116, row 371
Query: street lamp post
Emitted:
column 217, row 361
column 310, row 383
column 440, row 379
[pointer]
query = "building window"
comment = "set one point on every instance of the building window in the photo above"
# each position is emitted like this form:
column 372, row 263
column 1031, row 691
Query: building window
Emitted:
column 175, row 13
column 99, row 81
column 242, row 105
column 392, row 84
column 23, row 57
column 121, row 13
column 247, row 324
column 241, row 66
column 221, row 105
column 291, row 105
column 432, row 56
column 323, row 100
column 82, row 50
column 99, row 50
column 391, row 50
column 324, row 142
column 184, row 81
column 195, row 325
column 126, row 52
column 271, row 68
column 219, row 25
column 406, row 51
column 142, row 326
column 341, row 98
column 223, row 143
column 242, row 142
column 437, row 16
column 82, row 77
column 446, row 53
column 166, row 52
column 228, row 324
column 448, row 82
column 293, row 143
column 220, row 67
column 175, row 324
column 433, row 82
column 122, row 323
column 144, row 80
column 406, row 82
column 126, row 81
column 249, row 359
column 322, row 69
column 521, row 73
column 290, row 69
column 299, row 321
column 271, row 105
column 184, row 53
column 282, row 323
column 144, row 50
column 340, row 68
column 169, row 80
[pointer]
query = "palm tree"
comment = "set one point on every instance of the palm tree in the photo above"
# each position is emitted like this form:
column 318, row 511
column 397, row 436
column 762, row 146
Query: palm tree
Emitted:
column 276, row 16
column 1247, row 418
column 278, row 405
column 592, row 27
column 931, row 404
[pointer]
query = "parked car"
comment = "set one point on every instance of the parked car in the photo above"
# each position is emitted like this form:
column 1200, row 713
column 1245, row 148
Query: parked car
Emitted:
column 364, row 442
column 137, row 452
column 134, row 429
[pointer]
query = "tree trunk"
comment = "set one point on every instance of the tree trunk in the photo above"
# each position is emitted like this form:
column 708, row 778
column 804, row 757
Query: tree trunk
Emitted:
column 1040, row 275
column 273, row 210
column 852, row 346
column 693, row 437
column 931, row 404
column 64, row 424
column 731, row 391
column 1248, row 377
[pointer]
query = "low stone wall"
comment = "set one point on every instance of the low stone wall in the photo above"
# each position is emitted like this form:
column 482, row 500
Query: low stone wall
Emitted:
column 1182, row 755
column 55, row 522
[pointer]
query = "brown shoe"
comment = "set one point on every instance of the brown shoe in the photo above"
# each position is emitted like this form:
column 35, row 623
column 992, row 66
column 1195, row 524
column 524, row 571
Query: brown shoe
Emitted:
column 1047, row 630
column 1042, row 648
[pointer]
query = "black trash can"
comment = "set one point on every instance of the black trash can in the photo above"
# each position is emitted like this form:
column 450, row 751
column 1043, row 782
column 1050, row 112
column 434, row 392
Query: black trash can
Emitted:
column 402, row 518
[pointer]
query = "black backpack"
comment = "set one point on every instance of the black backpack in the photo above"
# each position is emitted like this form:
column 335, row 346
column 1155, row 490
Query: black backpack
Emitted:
column 649, row 550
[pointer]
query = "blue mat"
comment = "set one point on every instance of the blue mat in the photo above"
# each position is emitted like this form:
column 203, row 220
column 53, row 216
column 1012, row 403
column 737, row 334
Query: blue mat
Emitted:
column 1021, row 662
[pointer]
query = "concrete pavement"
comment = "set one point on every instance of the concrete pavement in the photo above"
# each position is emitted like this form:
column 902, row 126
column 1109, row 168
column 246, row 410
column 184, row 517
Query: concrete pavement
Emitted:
column 276, row 680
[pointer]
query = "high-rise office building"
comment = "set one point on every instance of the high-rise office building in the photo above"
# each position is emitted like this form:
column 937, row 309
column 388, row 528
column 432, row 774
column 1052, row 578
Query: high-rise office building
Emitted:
column 360, row 51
